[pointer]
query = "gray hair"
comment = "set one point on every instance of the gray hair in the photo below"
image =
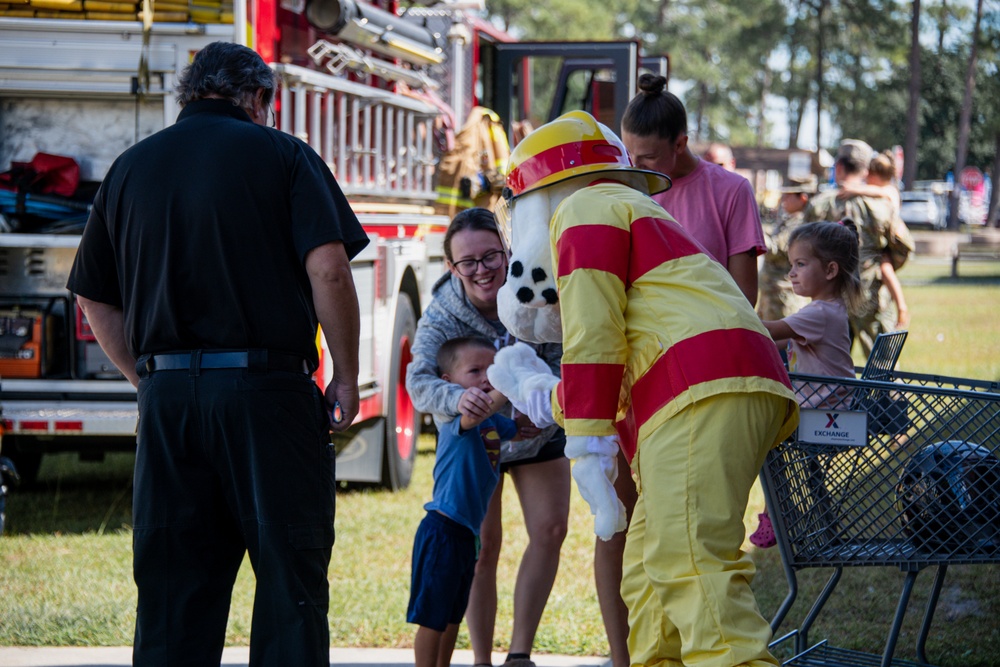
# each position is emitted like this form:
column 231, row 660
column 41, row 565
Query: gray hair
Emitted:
column 227, row 70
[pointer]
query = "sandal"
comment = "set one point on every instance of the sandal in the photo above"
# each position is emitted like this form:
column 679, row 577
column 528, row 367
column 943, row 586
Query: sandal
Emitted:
column 763, row 537
column 519, row 662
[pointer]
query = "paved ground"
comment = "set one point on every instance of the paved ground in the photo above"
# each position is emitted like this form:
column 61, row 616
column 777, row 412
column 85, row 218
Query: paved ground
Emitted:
column 237, row 657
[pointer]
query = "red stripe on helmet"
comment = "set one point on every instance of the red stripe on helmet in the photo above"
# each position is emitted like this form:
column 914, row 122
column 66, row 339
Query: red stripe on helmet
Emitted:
column 563, row 157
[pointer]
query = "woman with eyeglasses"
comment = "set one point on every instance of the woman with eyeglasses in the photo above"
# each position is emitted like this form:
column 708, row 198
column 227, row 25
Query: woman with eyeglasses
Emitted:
column 465, row 304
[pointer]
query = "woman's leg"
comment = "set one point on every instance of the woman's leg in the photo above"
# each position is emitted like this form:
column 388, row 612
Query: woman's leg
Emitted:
column 543, row 489
column 481, row 613
column 608, row 572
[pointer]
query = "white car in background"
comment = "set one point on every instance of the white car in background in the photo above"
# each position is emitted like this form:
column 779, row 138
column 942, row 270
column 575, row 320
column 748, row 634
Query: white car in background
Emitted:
column 923, row 209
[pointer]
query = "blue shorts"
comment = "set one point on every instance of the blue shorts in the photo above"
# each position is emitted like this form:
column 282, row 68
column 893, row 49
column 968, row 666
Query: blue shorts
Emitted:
column 444, row 560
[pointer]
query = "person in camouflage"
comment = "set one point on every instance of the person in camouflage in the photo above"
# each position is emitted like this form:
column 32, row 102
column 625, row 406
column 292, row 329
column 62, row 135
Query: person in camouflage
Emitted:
column 873, row 217
column 777, row 300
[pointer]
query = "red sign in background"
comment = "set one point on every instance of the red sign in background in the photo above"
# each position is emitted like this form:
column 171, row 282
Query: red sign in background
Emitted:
column 971, row 178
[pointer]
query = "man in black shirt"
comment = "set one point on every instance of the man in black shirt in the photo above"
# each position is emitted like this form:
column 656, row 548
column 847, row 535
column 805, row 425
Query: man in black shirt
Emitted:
column 213, row 249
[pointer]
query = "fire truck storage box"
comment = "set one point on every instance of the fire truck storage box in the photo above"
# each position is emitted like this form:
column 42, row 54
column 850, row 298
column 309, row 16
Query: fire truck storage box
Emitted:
column 93, row 363
column 21, row 345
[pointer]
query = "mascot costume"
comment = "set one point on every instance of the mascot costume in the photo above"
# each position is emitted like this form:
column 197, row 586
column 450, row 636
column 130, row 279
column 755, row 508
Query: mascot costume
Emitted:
column 662, row 356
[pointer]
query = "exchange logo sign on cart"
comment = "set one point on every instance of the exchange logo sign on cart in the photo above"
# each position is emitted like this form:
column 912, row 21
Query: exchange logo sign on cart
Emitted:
column 843, row 428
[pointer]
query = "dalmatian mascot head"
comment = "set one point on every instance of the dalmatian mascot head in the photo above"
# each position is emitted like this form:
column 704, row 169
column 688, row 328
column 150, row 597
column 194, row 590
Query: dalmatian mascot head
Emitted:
column 546, row 167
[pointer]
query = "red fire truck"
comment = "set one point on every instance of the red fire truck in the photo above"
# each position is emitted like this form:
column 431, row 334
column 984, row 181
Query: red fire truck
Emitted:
column 374, row 89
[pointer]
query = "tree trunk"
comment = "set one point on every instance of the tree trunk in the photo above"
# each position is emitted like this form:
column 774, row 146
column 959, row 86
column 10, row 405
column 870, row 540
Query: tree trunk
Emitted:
column 661, row 15
column 793, row 115
column 913, row 110
column 800, row 112
column 994, row 214
column 699, row 129
column 820, row 54
column 965, row 122
column 942, row 27
column 765, row 88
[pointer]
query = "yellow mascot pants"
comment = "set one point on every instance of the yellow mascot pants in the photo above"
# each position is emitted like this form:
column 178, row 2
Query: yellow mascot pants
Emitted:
column 685, row 579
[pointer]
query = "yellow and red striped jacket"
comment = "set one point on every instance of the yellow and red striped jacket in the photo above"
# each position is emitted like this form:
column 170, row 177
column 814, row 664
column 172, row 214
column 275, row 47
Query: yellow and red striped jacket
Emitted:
column 651, row 323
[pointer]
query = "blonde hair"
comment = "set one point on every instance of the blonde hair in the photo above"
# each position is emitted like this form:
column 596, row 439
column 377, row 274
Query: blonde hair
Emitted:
column 883, row 166
column 837, row 242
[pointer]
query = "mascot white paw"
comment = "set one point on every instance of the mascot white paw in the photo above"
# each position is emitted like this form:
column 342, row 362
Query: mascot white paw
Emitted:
column 595, row 469
column 527, row 382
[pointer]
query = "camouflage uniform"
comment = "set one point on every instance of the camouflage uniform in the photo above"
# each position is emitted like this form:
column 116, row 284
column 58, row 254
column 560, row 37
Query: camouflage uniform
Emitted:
column 873, row 216
column 777, row 300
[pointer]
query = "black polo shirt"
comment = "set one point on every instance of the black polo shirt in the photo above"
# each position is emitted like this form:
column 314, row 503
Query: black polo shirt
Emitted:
column 200, row 232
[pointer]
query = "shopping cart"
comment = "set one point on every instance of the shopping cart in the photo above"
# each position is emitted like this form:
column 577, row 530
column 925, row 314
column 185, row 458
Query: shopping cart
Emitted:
column 903, row 471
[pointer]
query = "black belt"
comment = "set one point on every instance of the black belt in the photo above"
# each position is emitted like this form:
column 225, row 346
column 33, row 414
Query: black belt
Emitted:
column 255, row 360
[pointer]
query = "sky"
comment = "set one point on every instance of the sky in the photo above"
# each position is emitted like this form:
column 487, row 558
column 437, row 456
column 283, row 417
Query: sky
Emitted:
column 777, row 116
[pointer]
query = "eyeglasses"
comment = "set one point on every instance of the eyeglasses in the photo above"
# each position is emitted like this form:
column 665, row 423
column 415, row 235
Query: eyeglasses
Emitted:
column 490, row 261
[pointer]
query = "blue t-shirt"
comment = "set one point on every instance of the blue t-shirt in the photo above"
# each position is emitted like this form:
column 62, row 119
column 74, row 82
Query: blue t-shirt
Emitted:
column 467, row 469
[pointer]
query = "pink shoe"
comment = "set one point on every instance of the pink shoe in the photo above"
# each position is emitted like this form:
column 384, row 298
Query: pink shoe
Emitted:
column 763, row 537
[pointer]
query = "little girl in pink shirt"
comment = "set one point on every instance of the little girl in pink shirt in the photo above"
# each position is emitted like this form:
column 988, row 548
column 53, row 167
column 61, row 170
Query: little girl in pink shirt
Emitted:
column 824, row 260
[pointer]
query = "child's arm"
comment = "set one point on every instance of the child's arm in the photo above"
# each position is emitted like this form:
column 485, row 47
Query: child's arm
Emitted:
column 848, row 190
column 891, row 281
column 779, row 330
column 497, row 401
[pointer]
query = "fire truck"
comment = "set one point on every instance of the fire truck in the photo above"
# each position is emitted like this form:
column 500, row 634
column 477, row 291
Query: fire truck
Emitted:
column 373, row 88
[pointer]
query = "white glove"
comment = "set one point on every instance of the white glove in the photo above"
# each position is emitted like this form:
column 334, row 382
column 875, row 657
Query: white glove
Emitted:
column 595, row 469
column 539, row 408
column 527, row 382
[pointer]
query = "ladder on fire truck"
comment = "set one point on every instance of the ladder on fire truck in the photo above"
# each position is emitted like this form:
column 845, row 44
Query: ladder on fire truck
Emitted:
column 377, row 143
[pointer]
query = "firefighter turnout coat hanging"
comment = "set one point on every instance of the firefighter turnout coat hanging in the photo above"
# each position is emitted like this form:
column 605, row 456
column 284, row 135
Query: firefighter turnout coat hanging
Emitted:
column 471, row 174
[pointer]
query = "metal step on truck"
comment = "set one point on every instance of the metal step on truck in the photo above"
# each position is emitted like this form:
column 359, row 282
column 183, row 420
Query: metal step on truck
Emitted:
column 374, row 89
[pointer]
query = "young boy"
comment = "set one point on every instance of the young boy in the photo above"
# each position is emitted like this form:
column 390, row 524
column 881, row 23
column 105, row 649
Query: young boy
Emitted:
column 466, row 471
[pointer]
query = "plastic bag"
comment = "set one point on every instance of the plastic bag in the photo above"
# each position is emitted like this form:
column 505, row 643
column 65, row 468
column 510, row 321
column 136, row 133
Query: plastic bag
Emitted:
column 45, row 174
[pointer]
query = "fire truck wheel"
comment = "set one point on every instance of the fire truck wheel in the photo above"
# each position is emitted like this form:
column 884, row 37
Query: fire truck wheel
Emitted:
column 402, row 424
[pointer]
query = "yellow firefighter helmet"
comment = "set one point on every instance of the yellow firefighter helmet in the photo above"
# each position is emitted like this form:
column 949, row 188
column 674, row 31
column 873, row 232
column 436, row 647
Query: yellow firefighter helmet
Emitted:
column 574, row 144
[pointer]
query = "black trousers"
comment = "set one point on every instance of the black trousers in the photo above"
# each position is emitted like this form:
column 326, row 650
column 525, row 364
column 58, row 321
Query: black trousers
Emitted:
column 230, row 462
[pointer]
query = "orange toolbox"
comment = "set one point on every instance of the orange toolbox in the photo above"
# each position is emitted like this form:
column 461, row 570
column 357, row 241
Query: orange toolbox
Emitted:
column 21, row 343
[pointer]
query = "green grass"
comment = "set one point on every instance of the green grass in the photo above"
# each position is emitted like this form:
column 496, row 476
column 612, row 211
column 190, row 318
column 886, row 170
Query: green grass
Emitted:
column 953, row 328
column 65, row 570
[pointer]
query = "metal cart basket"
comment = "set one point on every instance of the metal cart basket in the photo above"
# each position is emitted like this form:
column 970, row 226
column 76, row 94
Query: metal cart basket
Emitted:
column 904, row 471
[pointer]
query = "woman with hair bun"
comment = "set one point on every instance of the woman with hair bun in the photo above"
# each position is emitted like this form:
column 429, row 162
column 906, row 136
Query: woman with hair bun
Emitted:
column 716, row 206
